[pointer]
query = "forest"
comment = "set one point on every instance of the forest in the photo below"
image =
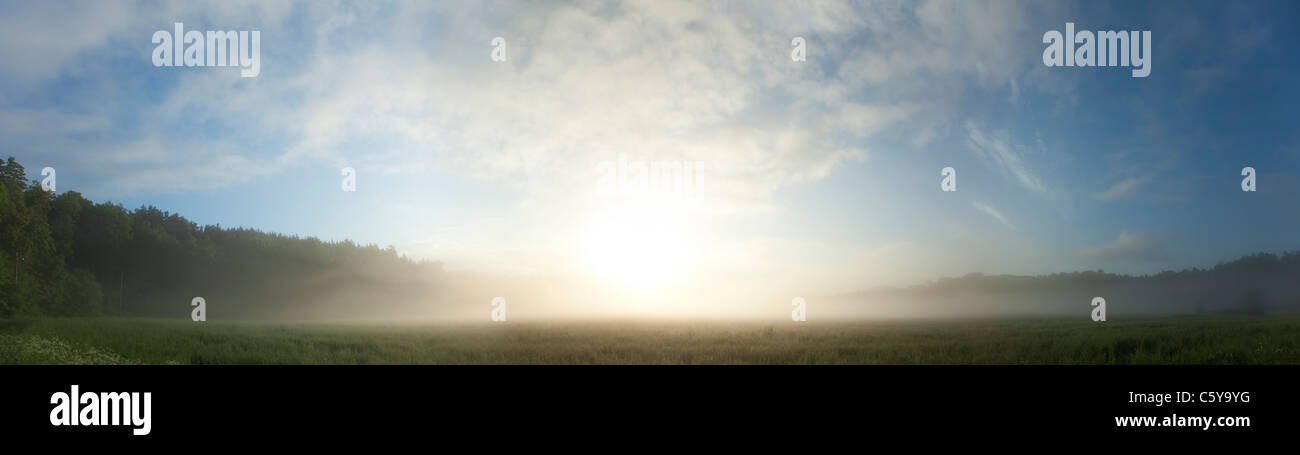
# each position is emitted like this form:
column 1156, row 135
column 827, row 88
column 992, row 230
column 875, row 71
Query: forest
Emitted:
column 64, row 255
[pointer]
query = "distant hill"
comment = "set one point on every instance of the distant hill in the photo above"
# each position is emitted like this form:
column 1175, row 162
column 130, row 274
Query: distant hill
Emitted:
column 1255, row 284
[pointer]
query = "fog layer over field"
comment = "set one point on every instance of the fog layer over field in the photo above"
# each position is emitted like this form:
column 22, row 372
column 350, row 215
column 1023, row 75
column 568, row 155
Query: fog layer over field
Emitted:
column 63, row 255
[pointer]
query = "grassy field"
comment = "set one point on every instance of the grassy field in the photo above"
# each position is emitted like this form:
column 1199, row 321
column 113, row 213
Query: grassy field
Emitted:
column 1202, row 340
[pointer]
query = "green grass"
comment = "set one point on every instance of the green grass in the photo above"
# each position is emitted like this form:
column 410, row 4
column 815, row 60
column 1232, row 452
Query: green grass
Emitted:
column 1201, row 340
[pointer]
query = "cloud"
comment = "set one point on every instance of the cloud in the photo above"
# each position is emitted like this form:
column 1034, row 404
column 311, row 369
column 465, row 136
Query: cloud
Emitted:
column 1123, row 189
column 42, row 40
column 990, row 211
column 652, row 81
column 380, row 89
column 998, row 152
column 1127, row 248
column 409, row 88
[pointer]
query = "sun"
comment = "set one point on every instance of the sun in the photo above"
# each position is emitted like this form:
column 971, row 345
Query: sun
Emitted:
column 638, row 249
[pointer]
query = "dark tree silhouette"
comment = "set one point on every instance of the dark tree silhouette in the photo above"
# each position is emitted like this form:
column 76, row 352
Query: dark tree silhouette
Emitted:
column 63, row 255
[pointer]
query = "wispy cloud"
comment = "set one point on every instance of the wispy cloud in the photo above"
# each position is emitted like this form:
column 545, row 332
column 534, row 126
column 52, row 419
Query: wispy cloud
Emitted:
column 993, row 212
column 1127, row 248
column 1122, row 189
column 997, row 151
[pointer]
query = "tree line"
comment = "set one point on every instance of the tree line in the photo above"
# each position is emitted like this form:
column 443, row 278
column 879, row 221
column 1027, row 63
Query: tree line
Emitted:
column 64, row 255
column 1255, row 284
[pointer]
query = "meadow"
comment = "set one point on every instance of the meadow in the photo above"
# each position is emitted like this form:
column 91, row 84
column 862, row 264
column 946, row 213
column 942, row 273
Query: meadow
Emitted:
column 1184, row 340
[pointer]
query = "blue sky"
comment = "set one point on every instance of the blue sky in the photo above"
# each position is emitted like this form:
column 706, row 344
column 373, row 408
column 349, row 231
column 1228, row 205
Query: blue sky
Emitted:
column 823, row 176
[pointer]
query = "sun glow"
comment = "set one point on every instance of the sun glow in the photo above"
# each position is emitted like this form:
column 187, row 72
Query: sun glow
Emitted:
column 638, row 249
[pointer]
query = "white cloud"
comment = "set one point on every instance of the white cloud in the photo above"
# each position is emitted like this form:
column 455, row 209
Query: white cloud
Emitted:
column 1122, row 189
column 1000, row 153
column 585, row 82
column 42, row 40
column 993, row 212
column 411, row 88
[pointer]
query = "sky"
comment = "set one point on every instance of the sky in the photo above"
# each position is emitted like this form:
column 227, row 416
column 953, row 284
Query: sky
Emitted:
column 819, row 176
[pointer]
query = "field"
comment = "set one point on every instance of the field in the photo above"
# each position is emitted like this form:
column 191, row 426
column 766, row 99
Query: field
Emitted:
column 1200, row 340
